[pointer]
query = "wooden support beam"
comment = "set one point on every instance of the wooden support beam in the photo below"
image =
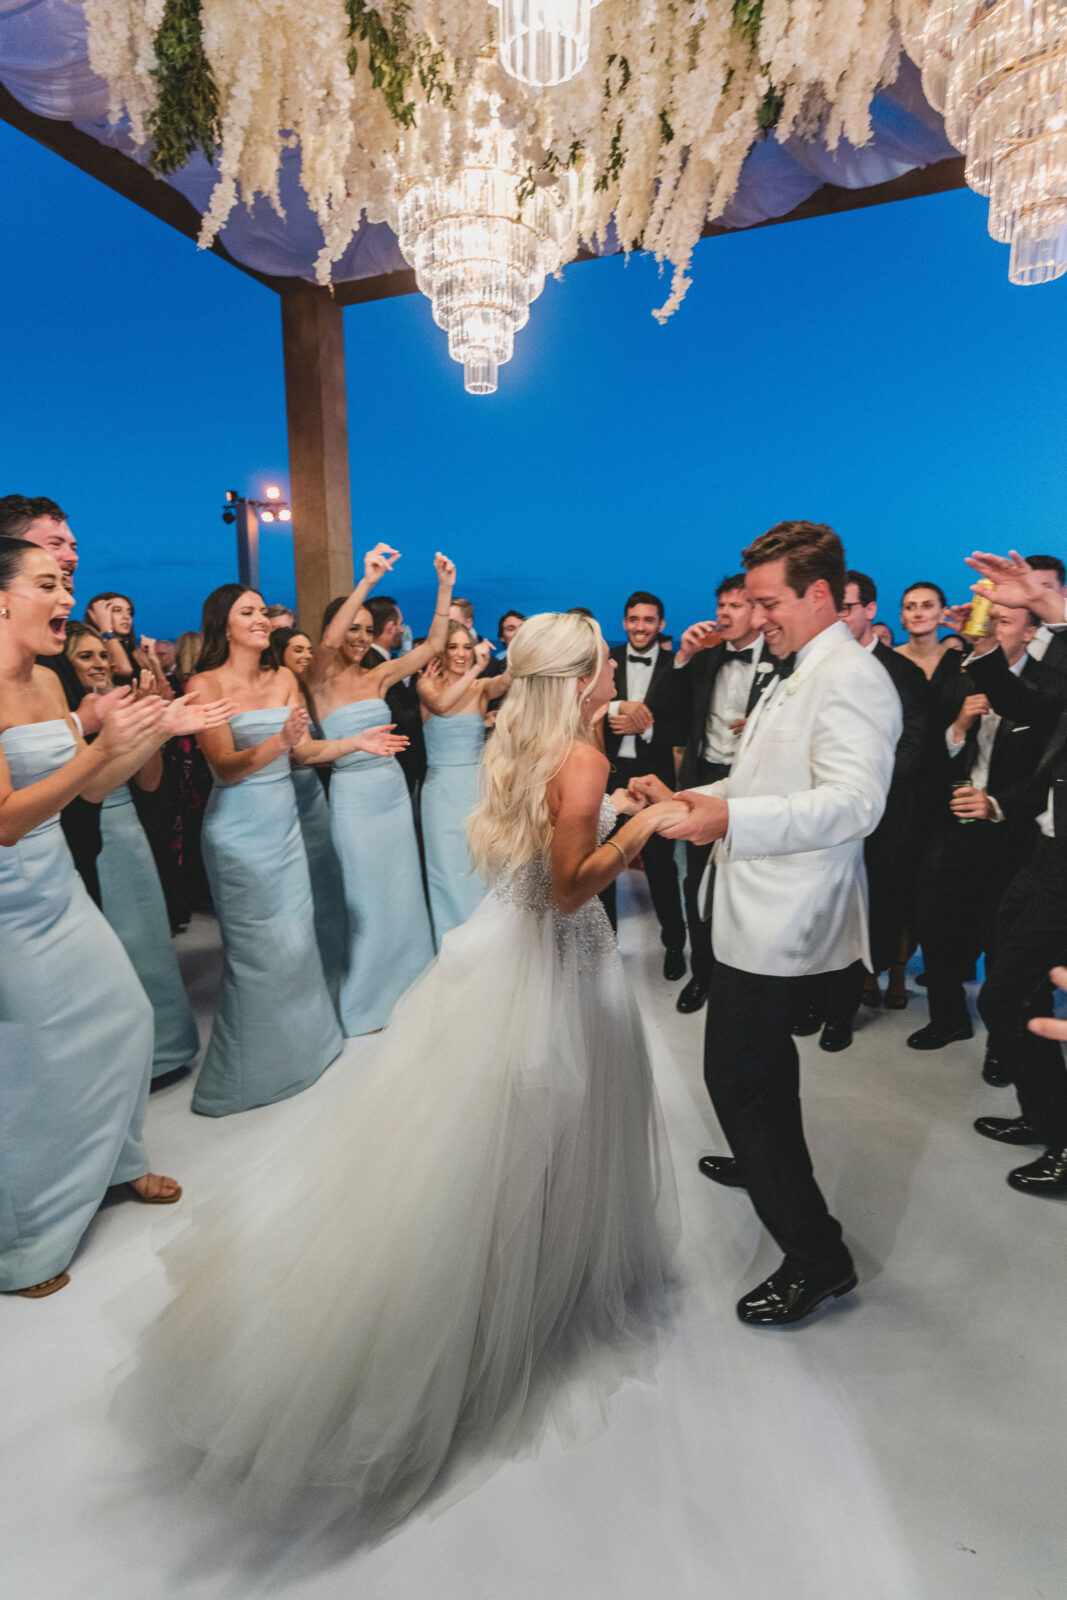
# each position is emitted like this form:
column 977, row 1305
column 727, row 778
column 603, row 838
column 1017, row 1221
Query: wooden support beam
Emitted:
column 315, row 402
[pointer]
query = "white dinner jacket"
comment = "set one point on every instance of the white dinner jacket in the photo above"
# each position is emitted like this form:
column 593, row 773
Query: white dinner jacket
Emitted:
column 807, row 787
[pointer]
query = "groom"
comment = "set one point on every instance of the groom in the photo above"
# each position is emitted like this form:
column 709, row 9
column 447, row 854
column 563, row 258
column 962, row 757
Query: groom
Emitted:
column 790, row 896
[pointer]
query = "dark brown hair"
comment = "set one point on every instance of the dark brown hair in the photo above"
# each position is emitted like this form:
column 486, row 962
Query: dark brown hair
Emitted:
column 810, row 550
column 214, row 645
column 18, row 512
column 865, row 589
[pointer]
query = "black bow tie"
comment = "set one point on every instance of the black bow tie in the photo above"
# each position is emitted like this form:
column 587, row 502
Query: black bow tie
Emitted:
column 640, row 661
column 739, row 655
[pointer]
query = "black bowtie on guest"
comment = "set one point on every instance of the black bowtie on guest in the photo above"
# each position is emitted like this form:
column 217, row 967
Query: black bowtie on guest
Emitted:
column 640, row 661
column 739, row 655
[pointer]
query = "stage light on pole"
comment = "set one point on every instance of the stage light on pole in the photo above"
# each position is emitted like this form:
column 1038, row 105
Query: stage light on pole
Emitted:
column 266, row 516
column 247, row 514
column 273, row 494
column 285, row 515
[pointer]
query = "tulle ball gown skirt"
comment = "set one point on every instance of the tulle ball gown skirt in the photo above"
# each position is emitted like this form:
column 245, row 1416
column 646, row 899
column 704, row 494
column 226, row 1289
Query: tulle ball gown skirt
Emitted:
column 275, row 1029
column 75, row 1040
column 454, row 747
column 389, row 937
column 133, row 903
column 489, row 1205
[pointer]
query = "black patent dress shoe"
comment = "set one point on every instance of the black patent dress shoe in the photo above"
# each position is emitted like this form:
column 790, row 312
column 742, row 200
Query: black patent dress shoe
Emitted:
column 835, row 1036
column 1047, row 1175
column 674, row 965
column 1007, row 1130
column 792, row 1293
column 931, row 1038
column 693, row 996
column 722, row 1169
column 994, row 1071
column 806, row 1022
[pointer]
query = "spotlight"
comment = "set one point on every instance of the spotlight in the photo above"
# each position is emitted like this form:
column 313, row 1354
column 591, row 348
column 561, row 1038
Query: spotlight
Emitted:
column 229, row 516
column 273, row 494
column 285, row 515
column 232, row 495
column 267, row 516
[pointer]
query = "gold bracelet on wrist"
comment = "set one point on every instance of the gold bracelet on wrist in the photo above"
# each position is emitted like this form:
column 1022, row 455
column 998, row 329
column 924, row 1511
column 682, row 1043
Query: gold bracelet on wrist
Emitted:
column 619, row 848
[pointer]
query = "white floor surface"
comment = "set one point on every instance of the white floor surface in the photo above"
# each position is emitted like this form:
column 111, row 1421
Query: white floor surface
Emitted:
column 906, row 1444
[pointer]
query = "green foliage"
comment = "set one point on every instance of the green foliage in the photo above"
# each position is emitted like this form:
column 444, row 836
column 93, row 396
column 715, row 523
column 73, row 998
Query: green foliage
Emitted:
column 186, row 117
column 615, row 163
column 395, row 58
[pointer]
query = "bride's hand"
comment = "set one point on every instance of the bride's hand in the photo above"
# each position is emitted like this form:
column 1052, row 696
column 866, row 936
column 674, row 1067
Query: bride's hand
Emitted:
column 626, row 803
column 665, row 814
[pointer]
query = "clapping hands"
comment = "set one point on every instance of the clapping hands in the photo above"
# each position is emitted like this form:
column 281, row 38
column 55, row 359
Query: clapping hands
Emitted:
column 382, row 741
column 633, row 716
column 187, row 715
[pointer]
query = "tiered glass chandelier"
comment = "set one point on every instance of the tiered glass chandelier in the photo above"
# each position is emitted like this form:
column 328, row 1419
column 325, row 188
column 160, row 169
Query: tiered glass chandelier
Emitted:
column 544, row 42
column 479, row 255
column 998, row 69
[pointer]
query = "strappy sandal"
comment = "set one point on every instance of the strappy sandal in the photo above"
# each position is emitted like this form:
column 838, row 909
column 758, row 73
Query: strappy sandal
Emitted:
column 40, row 1291
column 155, row 1199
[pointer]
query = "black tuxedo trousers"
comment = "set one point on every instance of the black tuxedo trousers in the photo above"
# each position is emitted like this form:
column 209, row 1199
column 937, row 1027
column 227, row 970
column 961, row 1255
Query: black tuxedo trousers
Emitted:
column 661, row 869
column 752, row 1073
column 1031, row 937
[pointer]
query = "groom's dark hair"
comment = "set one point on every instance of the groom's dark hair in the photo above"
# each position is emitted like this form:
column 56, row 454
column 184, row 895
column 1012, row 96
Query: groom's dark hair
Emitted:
column 642, row 597
column 810, row 550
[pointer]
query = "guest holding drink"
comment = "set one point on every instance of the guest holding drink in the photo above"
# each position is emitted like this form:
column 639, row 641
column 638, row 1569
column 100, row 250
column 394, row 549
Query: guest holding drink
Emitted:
column 455, row 699
column 130, row 890
column 275, row 1030
column 389, row 936
column 75, row 1024
column 292, row 649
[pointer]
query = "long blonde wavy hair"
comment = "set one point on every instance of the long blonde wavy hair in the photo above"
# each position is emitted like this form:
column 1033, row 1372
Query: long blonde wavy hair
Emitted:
column 535, row 728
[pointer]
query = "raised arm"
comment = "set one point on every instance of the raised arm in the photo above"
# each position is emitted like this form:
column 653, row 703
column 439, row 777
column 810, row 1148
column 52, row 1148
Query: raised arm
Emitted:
column 376, row 563
column 440, row 697
column 580, row 867
column 391, row 672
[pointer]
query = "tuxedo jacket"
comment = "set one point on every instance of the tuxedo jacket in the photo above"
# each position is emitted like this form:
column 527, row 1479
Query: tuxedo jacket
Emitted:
column 808, row 785
column 693, row 686
column 1017, row 746
column 1037, row 698
column 654, row 755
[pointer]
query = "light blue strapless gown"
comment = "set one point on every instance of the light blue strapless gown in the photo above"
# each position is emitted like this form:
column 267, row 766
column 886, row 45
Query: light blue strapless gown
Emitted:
column 133, row 903
column 454, row 747
column 75, row 1040
column 275, row 1031
column 389, row 938
column 325, row 869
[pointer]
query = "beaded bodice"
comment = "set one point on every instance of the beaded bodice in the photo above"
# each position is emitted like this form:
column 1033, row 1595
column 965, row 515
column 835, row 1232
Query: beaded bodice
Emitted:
column 587, row 931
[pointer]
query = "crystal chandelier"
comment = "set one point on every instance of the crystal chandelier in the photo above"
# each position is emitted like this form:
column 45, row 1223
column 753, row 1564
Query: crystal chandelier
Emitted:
column 479, row 254
column 544, row 42
column 998, row 70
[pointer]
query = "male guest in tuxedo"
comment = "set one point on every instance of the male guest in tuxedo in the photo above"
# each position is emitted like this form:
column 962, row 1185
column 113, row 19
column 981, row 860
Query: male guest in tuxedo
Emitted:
column 1049, row 644
column 41, row 521
column 639, row 739
column 890, row 852
column 402, row 699
column 807, row 786
column 1031, row 930
column 983, row 833
column 506, row 629
column 720, row 671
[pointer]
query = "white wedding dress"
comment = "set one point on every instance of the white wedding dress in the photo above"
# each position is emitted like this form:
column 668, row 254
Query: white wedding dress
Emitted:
column 489, row 1206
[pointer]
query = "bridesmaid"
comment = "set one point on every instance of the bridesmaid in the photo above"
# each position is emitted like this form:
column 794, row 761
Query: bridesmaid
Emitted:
column 131, row 894
column 275, row 1031
column 75, row 1024
column 390, row 939
column 291, row 648
column 455, row 701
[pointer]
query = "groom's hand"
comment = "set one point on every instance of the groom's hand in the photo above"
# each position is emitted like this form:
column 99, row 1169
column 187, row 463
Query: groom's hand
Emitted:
column 706, row 820
column 647, row 789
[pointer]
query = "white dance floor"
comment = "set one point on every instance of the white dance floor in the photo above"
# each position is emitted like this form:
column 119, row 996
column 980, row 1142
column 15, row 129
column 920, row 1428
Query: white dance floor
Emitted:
column 909, row 1442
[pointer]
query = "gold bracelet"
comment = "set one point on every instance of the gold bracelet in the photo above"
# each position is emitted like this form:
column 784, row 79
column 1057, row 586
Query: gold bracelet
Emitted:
column 619, row 848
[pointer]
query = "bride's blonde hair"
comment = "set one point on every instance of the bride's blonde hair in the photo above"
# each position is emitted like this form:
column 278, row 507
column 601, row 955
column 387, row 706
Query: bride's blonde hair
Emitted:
column 535, row 728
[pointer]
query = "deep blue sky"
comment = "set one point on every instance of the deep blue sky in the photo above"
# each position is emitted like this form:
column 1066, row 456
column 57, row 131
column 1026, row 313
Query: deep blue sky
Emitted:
column 876, row 371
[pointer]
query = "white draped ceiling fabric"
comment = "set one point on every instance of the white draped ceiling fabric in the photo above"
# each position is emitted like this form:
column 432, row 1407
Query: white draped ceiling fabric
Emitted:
column 44, row 64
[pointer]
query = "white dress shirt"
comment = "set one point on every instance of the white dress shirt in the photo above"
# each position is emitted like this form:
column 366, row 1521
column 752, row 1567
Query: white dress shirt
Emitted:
column 1043, row 638
column 638, row 678
column 729, row 703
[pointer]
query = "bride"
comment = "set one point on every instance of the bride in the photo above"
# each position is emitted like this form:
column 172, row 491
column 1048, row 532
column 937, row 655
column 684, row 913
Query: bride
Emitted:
column 485, row 1199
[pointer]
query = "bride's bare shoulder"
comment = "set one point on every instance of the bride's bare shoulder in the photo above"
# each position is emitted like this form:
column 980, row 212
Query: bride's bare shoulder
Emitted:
column 583, row 776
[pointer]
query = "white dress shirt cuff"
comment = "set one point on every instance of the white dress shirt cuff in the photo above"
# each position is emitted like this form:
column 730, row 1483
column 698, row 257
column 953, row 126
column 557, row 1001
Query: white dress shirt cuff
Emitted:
column 952, row 745
column 613, row 708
